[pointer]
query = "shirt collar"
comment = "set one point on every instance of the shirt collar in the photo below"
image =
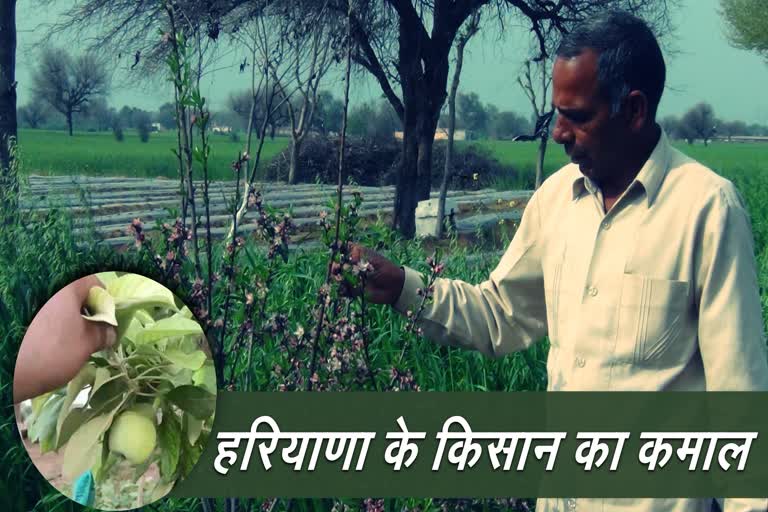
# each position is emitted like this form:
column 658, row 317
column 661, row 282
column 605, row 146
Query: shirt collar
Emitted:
column 651, row 175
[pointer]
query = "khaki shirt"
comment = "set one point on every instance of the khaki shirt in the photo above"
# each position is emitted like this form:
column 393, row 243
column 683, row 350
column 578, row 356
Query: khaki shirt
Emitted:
column 658, row 294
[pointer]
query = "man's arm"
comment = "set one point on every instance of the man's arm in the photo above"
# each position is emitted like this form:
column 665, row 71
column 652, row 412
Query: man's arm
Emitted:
column 731, row 336
column 503, row 314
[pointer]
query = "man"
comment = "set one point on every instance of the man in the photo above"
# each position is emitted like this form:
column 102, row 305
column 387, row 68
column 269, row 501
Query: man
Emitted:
column 637, row 261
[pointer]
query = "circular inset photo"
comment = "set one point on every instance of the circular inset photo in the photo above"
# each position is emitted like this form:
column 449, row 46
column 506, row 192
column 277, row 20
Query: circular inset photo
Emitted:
column 115, row 391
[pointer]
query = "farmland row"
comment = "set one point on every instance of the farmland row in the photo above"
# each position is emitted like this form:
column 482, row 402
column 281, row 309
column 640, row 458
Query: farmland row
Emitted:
column 109, row 204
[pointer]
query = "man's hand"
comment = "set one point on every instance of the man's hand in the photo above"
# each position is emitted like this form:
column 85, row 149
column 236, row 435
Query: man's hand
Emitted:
column 59, row 342
column 384, row 283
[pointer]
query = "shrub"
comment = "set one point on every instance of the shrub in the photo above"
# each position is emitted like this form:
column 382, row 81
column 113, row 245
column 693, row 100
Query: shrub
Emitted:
column 143, row 125
column 375, row 162
column 117, row 130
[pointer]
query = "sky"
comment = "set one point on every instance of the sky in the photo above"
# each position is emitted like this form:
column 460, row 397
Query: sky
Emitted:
column 704, row 68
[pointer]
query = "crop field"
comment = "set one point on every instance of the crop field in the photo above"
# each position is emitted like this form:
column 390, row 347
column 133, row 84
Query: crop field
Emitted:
column 100, row 154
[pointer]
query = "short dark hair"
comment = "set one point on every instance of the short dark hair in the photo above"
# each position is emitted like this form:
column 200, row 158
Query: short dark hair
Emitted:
column 629, row 56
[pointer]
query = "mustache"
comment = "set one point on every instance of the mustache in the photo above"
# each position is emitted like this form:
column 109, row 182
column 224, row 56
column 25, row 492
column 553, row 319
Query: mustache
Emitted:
column 575, row 153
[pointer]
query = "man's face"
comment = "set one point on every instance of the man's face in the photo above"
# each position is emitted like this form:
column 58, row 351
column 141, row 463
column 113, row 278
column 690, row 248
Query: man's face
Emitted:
column 591, row 136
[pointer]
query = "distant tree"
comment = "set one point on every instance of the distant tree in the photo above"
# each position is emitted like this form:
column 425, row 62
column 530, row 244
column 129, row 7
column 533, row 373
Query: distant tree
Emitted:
column 359, row 118
column 240, row 103
column 491, row 112
column 373, row 121
column 166, row 116
column 730, row 128
column 746, row 23
column 328, row 113
column 117, row 129
column 99, row 114
column 68, row 83
column 471, row 114
column 757, row 130
column 142, row 121
column 671, row 126
column 699, row 123
column 508, row 124
column 33, row 114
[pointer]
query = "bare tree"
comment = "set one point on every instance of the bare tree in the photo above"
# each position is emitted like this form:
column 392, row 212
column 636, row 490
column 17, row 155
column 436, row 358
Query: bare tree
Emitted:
column 7, row 86
column 536, row 85
column 67, row 83
column 699, row 123
column 309, row 56
column 471, row 28
column 33, row 113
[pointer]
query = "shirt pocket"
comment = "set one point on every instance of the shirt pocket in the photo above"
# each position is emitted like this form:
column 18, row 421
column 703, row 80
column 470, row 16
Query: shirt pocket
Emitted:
column 552, row 282
column 651, row 318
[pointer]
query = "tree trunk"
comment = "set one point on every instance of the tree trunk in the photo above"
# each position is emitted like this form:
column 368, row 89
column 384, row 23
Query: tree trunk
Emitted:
column 424, row 163
column 69, row 122
column 272, row 131
column 540, row 161
column 448, row 169
column 406, row 192
column 7, row 86
column 293, row 164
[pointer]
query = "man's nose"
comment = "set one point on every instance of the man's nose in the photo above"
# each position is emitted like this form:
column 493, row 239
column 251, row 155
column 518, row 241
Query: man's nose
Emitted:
column 562, row 132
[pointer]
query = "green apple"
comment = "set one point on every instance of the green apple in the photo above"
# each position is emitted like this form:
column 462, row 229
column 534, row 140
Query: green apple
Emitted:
column 133, row 436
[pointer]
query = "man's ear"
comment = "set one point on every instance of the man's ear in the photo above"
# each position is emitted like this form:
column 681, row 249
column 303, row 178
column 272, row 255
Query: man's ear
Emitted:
column 637, row 110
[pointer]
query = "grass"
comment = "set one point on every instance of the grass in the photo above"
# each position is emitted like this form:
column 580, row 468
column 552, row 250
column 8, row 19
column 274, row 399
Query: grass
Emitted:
column 98, row 153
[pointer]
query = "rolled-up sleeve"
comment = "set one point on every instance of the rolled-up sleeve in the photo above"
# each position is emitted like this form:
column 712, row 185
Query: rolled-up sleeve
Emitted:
column 503, row 314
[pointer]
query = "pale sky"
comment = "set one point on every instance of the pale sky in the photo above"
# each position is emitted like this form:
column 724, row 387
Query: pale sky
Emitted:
column 705, row 69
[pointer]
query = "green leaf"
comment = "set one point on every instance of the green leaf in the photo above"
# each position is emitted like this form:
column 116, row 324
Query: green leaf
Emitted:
column 134, row 291
column 85, row 377
column 169, row 439
column 69, row 423
column 161, row 490
column 107, row 277
column 168, row 327
column 190, row 454
column 38, row 402
column 196, row 401
column 178, row 376
column 192, row 361
column 84, row 447
column 45, row 424
column 107, row 390
column 194, row 427
column 128, row 329
column 205, row 377
column 100, row 306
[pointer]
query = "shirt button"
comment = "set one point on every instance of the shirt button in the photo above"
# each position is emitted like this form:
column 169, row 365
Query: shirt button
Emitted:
column 580, row 362
column 592, row 291
column 571, row 504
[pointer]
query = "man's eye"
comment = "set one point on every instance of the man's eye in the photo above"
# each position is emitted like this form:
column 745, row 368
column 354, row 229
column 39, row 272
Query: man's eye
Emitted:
column 579, row 117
